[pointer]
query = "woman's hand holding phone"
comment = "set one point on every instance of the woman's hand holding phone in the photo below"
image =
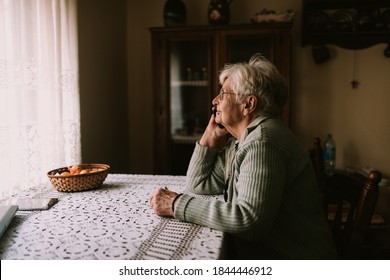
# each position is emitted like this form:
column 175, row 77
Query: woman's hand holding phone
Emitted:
column 214, row 110
column 215, row 135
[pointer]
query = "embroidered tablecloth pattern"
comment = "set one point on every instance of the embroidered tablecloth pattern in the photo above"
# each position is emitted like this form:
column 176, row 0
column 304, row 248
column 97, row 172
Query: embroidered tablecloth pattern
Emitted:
column 114, row 221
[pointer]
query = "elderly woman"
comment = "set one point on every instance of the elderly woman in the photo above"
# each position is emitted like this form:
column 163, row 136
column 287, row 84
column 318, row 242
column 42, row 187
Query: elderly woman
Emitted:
column 272, row 205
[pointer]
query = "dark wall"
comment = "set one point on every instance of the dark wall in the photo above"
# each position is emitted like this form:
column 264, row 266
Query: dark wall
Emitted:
column 103, row 85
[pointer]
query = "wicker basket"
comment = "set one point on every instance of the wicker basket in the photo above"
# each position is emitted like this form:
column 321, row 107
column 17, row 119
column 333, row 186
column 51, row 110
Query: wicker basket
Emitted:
column 80, row 182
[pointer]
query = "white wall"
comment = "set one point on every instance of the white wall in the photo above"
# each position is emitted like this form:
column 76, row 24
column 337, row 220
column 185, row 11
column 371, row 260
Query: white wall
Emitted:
column 322, row 97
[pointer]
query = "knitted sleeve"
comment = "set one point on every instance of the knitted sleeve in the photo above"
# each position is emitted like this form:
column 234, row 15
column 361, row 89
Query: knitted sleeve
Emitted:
column 259, row 179
column 205, row 174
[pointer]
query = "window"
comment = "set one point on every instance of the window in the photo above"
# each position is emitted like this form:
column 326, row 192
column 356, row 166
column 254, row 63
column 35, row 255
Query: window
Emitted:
column 39, row 96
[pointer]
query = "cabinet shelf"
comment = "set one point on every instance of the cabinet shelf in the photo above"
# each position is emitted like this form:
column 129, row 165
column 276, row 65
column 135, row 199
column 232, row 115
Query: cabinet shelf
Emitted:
column 344, row 4
column 195, row 83
column 350, row 24
column 353, row 40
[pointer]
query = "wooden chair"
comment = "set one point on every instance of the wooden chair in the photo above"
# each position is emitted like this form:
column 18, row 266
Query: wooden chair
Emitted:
column 316, row 156
column 349, row 204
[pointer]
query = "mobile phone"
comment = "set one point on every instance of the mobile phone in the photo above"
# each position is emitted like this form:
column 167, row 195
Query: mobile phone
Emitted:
column 28, row 204
column 214, row 111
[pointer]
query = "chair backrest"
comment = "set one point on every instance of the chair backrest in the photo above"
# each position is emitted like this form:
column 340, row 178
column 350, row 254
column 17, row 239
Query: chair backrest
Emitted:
column 349, row 203
column 316, row 156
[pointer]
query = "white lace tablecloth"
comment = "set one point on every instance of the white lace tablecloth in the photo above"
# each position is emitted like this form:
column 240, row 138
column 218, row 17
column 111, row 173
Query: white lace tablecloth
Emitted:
column 114, row 221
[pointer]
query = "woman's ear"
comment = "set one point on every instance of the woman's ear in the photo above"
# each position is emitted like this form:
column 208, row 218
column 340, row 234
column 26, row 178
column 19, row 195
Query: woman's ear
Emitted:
column 249, row 105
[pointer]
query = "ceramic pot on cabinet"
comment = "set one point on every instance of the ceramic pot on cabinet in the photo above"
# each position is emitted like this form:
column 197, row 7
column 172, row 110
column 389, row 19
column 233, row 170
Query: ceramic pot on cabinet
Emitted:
column 219, row 11
column 175, row 13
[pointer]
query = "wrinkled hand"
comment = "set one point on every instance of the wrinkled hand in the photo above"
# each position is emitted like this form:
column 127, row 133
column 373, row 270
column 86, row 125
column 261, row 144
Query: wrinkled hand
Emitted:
column 214, row 135
column 161, row 201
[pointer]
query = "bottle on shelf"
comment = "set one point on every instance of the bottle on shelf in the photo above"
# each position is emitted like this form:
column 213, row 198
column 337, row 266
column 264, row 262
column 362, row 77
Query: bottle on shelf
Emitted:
column 189, row 76
column 329, row 155
column 204, row 74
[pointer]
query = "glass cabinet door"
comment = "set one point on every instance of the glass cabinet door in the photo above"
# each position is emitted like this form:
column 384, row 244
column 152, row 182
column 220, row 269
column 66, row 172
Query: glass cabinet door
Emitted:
column 240, row 45
column 241, row 49
column 189, row 94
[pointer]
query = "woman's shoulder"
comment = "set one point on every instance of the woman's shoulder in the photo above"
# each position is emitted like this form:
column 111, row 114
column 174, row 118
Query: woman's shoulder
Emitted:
column 271, row 129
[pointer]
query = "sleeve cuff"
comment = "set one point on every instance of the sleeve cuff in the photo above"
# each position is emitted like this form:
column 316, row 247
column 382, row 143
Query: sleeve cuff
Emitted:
column 181, row 205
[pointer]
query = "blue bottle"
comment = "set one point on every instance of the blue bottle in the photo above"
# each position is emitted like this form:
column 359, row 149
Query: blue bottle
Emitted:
column 329, row 155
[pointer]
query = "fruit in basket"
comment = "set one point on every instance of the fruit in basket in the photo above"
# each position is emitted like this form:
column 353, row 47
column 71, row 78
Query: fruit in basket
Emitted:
column 75, row 169
column 79, row 170
column 85, row 171
column 90, row 176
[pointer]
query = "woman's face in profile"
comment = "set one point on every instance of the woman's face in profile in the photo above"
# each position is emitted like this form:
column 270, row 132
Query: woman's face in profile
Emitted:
column 229, row 110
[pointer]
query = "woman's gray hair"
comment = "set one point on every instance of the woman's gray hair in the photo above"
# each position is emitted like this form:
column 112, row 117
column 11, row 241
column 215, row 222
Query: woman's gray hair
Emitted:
column 258, row 77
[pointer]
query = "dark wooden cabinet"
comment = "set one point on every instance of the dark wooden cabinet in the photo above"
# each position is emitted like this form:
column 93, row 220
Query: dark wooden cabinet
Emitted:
column 185, row 63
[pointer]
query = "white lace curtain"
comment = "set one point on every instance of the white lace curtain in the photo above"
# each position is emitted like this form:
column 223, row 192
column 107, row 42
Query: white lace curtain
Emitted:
column 39, row 93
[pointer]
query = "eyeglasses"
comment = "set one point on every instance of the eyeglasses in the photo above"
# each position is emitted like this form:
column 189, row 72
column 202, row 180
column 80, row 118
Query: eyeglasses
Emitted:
column 223, row 92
